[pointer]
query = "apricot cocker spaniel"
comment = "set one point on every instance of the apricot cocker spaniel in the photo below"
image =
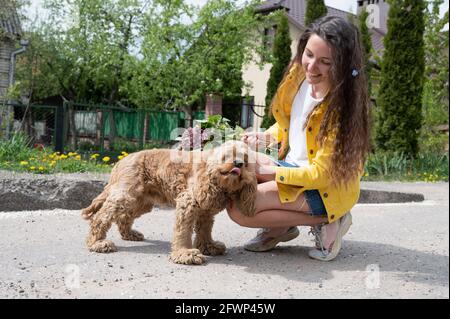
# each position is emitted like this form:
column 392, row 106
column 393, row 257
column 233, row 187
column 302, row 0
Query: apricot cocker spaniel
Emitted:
column 198, row 184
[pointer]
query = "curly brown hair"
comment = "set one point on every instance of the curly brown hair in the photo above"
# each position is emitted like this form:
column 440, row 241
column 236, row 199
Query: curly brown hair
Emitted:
column 348, row 113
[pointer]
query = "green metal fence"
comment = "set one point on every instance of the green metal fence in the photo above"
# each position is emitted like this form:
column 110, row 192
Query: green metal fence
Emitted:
column 131, row 124
column 92, row 127
column 103, row 125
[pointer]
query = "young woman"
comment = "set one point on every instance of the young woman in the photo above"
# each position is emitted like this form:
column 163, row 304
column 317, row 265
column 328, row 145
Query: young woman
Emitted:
column 322, row 122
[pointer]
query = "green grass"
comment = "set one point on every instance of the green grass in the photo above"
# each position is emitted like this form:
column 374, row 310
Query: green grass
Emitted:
column 45, row 162
column 428, row 167
column 18, row 148
column 18, row 155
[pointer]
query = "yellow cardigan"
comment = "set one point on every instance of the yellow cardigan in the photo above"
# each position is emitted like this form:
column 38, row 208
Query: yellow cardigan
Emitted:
column 291, row 182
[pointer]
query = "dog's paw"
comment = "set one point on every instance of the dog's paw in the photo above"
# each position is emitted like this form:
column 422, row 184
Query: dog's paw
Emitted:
column 187, row 257
column 133, row 235
column 213, row 248
column 103, row 246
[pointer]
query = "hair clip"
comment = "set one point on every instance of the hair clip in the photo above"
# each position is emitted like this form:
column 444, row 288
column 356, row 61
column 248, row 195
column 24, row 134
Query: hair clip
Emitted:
column 355, row 73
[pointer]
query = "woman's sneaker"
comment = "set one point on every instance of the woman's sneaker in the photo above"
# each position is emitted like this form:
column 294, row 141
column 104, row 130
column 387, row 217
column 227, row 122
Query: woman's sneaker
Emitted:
column 262, row 242
column 320, row 253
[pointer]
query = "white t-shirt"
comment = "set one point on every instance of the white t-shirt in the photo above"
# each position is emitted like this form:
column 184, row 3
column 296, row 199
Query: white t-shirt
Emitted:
column 303, row 104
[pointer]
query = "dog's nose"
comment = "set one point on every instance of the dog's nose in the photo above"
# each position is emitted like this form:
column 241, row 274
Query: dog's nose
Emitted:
column 238, row 163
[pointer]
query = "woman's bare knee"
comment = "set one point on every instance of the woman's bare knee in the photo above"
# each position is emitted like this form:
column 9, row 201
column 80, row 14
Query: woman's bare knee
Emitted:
column 235, row 214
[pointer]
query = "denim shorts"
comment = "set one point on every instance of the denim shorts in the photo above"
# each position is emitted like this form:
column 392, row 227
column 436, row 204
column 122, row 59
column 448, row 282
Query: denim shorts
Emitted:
column 312, row 196
column 315, row 203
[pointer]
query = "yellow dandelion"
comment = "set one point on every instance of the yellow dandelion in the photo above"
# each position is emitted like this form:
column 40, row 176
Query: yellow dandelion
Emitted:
column 41, row 168
column 120, row 157
column 106, row 159
column 63, row 156
column 32, row 168
column 52, row 163
column 124, row 153
column 23, row 163
column 78, row 157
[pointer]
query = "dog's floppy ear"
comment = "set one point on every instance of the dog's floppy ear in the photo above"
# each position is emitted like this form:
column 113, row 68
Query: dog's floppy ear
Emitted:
column 246, row 196
column 206, row 190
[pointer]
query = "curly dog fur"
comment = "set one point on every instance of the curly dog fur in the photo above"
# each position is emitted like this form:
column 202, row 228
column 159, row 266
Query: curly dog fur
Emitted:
column 198, row 184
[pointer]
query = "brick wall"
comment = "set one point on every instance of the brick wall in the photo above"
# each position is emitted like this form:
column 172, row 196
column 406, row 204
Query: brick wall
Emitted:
column 213, row 104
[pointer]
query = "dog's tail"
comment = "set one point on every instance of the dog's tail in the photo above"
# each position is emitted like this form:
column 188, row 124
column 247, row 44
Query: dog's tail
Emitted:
column 96, row 204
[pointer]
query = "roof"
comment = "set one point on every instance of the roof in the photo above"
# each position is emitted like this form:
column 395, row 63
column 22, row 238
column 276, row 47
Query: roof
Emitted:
column 9, row 20
column 296, row 11
column 377, row 39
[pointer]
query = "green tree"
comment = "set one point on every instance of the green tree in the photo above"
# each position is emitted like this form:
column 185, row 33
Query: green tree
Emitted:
column 399, row 116
column 282, row 56
column 436, row 65
column 189, row 51
column 80, row 51
column 315, row 9
column 367, row 46
column 435, row 97
column 153, row 54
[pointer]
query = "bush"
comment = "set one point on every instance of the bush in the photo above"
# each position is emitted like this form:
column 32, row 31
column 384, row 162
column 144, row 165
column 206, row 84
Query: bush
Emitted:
column 429, row 167
column 281, row 58
column 315, row 9
column 435, row 113
column 215, row 130
column 17, row 148
column 400, row 93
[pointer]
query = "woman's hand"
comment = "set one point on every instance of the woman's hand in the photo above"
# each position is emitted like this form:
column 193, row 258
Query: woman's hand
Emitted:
column 256, row 140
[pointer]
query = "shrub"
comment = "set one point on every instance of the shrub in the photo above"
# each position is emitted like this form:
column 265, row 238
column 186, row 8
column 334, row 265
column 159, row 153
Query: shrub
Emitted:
column 281, row 58
column 314, row 10
column 214, row 130
column 17, row 148
column 427, row 167
column 400, row 93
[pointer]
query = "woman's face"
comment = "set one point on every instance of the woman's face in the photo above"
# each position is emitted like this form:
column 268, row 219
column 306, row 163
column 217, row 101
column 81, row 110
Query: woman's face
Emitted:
column 316, row 61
